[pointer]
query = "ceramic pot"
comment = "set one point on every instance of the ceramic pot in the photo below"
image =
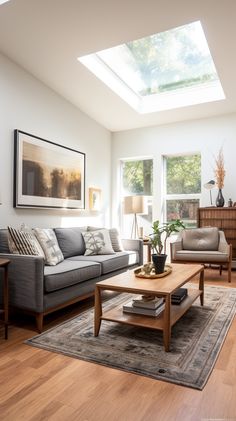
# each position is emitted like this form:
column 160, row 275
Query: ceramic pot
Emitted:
column 159, row 261
column 220, row 201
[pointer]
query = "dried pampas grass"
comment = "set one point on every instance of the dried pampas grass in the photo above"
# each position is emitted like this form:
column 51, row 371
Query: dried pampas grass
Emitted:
column 220, row 170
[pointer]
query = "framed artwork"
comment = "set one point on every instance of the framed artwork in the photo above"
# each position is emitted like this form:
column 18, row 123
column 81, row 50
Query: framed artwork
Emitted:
column 47, row 175
column 95, row 199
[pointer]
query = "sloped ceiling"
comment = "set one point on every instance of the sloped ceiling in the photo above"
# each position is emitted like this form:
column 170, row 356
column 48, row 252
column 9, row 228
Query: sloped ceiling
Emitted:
column 45, row 37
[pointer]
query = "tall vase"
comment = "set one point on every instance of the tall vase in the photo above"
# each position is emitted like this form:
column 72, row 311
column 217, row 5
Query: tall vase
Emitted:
column 220, row 201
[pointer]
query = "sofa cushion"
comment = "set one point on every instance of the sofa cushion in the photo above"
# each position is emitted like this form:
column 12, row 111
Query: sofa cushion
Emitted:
column 69, row 273
column 97, row 242
column 48, row 241
column 201, row 239
column 112, row 262
column 70, row 241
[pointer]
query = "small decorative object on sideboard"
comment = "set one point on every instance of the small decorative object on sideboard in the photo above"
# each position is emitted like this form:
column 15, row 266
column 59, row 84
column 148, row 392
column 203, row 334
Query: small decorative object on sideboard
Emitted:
column 220, row 175
column 158, row 239
column 230, row 203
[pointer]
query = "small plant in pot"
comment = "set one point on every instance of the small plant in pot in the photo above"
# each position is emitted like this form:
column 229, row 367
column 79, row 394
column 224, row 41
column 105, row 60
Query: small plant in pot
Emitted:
column 158, row 239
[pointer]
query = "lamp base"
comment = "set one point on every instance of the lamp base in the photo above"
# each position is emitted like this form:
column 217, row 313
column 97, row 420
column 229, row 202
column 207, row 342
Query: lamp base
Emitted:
column 135, row 228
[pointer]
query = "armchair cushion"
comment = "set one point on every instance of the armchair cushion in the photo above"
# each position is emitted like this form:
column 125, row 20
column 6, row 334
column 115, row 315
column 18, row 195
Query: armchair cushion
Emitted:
column 202, row 256
column 200, row 239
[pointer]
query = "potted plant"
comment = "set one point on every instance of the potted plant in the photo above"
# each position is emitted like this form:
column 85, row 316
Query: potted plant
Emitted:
column 158, row 239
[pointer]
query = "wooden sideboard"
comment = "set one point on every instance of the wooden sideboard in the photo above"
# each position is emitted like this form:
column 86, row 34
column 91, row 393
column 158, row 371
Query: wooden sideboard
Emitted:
column 223, row 218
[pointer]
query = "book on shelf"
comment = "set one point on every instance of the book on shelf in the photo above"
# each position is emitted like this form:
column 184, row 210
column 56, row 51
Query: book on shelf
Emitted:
column 130, row 308
column 179, row 295
column 145, row 302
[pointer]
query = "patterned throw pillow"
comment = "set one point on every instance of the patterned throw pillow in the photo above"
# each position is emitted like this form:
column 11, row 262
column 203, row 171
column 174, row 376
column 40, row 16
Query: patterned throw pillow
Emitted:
column 114, row 237
column 23, row 242
column 97, row 242
column 29, row 230
column 49, row 244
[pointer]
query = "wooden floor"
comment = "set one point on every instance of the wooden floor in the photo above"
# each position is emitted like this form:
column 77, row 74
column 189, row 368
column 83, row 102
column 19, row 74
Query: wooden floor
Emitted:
column 40, row 385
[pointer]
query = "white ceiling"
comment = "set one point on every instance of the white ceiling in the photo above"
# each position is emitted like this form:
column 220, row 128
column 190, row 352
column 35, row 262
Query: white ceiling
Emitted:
column 45, row 37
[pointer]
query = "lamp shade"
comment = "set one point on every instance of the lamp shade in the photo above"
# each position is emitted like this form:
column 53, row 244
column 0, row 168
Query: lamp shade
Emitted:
column 210, row 185
column 135, row 204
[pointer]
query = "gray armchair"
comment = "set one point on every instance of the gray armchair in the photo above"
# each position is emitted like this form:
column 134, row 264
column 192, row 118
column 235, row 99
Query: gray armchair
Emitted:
column 202, row 245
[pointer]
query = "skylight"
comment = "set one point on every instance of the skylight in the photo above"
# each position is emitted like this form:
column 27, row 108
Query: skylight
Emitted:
column 167, row 70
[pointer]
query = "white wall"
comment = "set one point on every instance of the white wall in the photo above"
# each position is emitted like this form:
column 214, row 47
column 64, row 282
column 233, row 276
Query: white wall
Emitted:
column 206, row 136
column 28, row 105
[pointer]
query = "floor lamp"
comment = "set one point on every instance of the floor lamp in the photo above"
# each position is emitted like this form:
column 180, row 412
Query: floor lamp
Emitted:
column 134, row 205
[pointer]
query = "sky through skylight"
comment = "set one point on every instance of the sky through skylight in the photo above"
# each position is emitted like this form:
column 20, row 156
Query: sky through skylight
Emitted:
column 166, row 62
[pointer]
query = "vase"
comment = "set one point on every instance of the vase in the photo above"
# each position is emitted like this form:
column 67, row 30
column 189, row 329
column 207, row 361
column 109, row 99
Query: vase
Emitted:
column 220, row 201
column 159, row 261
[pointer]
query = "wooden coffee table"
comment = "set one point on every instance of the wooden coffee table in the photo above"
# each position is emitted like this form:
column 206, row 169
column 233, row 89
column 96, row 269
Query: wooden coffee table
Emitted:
column 160, row 287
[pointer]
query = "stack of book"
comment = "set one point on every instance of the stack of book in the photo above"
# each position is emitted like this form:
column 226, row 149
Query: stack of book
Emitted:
column 147, row 306
column 179, row 295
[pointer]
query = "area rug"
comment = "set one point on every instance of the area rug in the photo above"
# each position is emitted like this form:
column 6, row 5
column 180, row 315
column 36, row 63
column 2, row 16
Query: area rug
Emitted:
column 196, row 341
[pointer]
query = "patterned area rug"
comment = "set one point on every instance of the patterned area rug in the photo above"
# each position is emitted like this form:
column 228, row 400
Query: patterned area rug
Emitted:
column 196, row 341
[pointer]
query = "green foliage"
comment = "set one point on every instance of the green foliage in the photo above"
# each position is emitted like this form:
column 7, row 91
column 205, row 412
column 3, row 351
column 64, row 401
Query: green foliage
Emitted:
column 163, row 231
column 137, row 176
column 183, row 174
column 172, row 59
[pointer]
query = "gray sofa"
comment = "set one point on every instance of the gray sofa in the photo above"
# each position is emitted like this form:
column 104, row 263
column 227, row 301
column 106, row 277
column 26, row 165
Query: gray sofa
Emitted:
column 39, row 289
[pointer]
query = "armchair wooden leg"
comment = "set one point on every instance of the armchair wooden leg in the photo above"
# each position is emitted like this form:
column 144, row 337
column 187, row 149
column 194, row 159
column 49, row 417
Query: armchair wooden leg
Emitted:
column 230, row 263
column 220, row 270
column 229, row 272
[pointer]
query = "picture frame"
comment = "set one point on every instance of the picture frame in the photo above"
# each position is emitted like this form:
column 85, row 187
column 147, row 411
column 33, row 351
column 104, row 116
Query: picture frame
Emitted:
column 95, row 196
column 46, row 174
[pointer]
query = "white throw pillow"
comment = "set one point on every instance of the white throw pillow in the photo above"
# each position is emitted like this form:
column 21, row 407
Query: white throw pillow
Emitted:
column 48, row 241
column 114, row 237
column 97, row 242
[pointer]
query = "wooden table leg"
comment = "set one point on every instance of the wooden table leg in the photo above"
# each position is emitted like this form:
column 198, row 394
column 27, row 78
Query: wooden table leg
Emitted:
column 97, row 311
column 5, row 299
column 201, row 286
column 167, row 327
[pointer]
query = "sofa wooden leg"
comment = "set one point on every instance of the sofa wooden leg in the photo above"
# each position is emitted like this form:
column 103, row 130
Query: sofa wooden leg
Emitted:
column 220, row 270
column 39, row 322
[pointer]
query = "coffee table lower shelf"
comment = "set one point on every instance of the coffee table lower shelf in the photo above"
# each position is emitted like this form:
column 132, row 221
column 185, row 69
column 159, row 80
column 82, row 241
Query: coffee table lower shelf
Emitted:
column 116, row 314
column 128, row 283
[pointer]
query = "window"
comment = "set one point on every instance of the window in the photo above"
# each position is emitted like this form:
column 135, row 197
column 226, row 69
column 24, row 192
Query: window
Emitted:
column 182, row 188
column 162, row 71
column 137, row 179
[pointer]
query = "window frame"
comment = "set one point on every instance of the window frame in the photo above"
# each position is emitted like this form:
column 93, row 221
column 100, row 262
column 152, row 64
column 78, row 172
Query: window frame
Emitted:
column 149, row 198
column 176, row 196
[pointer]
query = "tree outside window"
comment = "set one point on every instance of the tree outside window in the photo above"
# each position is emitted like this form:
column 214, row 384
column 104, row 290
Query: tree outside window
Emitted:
column 137, row 177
